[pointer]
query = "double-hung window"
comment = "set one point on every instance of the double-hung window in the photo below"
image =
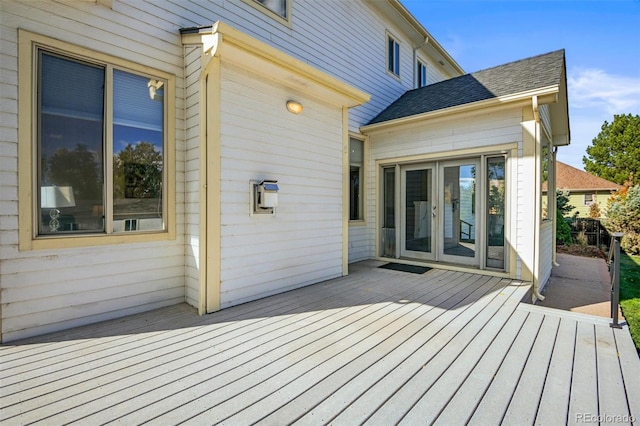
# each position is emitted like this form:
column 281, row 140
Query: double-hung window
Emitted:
column 99, row 140
column 393, row 56
column 356, row 175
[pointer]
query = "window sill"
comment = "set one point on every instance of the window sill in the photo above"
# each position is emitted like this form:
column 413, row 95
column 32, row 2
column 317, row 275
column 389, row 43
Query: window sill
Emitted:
column 360, row 222
column 73, row 241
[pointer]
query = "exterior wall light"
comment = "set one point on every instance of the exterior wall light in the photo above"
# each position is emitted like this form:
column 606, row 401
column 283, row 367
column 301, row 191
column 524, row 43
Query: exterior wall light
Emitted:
column 294, row 107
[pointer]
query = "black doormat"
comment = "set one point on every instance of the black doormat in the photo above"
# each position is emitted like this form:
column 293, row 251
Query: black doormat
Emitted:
column 405, row 268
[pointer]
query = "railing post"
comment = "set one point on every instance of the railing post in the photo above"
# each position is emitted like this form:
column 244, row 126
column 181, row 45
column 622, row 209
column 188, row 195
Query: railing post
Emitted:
column 615, row 281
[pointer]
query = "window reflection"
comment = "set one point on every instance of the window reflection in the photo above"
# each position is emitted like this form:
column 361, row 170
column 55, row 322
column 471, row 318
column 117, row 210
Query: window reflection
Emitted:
column 70, row 147
column 138, row 122
column 277, row 6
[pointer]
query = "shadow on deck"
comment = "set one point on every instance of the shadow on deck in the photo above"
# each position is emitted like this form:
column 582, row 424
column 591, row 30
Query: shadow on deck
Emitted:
column 375, row 347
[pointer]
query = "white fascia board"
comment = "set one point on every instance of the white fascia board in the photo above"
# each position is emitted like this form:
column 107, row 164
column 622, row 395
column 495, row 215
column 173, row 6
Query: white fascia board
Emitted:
column 234, row 46
column 545, row 95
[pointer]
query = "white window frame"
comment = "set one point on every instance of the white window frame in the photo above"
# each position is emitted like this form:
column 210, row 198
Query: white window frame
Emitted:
column 421, row 68
column 393, row 56
column 361, row 179
column 258, row 5
column 28, row 212
column 589, row 202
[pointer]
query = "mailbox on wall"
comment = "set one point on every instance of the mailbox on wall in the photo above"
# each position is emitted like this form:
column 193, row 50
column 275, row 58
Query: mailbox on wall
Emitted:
column 265, row 196
column 268, row 194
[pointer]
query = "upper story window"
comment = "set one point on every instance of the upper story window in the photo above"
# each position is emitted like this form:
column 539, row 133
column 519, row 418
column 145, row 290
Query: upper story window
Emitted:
column 356, row 176
column 422, row 74
column 278, row 9
column 393, row 56
column 99, row 140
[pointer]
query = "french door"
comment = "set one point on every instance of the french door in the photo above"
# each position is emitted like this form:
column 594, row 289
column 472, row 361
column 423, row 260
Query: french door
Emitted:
column 445, row 211
column 417, row 212
column 458, row 213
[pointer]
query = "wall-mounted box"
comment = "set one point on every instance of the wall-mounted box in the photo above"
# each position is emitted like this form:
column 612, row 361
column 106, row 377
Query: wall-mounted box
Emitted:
column 264, row 197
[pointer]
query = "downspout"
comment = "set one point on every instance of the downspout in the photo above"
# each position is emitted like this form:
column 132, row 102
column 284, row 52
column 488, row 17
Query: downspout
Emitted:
column 538, row 202
column 553, row 206
column 415, row 61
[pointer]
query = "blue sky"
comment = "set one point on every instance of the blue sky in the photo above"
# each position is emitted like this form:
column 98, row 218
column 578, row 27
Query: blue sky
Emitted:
column 601, row 39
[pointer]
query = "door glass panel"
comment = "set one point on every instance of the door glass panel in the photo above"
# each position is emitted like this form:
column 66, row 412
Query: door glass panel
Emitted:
column 418, row 210
column 459, row 210
column 495, row 212
column 389, row 213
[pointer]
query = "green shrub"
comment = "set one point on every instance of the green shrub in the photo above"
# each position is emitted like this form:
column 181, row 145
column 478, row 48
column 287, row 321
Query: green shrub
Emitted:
column 563, row 231
column 623, row 215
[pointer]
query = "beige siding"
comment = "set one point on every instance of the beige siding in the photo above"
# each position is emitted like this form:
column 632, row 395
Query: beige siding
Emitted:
column 576, row 199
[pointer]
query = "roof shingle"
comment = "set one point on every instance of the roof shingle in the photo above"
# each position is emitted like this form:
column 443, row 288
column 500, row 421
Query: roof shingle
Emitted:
column 515, row 77
column 568, row 177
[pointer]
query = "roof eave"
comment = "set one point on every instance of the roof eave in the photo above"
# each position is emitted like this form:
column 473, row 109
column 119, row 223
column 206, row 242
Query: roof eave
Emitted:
column 546, row 95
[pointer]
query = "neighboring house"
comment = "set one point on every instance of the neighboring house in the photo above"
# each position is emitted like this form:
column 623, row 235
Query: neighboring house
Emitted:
column 584, row 189
column 214, row 153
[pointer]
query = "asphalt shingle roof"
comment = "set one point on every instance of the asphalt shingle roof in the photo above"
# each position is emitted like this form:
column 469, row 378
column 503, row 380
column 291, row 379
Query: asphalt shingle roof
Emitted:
column 568, row 177
column 515, row 77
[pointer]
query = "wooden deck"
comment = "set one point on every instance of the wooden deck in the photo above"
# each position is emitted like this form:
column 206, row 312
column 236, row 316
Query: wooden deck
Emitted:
column 376, row 347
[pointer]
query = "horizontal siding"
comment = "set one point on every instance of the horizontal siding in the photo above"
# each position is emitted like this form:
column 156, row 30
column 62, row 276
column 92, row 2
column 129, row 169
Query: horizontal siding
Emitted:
column 443, row 137
column 546, row 252
column 359, row 243
column 192, row 175
column 48, row 290
column 147, row 33
column 302, row 243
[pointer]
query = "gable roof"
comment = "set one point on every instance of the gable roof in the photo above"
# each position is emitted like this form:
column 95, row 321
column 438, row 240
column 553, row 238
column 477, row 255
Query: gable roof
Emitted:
column 568, row 177
column 521, row 76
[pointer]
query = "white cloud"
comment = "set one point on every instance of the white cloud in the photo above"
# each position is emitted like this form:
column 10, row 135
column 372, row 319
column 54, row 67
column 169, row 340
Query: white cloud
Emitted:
column 594, row 97
column 595, row 88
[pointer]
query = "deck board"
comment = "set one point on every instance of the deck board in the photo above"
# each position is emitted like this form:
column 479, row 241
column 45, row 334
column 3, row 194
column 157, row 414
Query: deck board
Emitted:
column 377, row 347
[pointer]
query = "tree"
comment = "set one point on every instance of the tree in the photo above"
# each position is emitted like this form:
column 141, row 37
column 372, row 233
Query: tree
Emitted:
column 623, row 215
column 615, row 153
column 137, row 171
column 563, row 231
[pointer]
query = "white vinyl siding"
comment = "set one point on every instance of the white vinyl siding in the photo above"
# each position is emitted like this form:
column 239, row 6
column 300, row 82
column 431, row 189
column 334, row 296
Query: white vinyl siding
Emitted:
column 546, row 253
column 302, row 243
column 443, row 138
column 192, row 175
column 48, row 290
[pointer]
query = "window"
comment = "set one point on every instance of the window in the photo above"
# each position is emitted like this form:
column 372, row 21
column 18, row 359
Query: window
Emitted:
column 588, row 199
column 422, row 74
column 99, row 139
column 546, row 195
column 276, row 6
column 280, row 10
column 356, row 172
column 393, row 55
